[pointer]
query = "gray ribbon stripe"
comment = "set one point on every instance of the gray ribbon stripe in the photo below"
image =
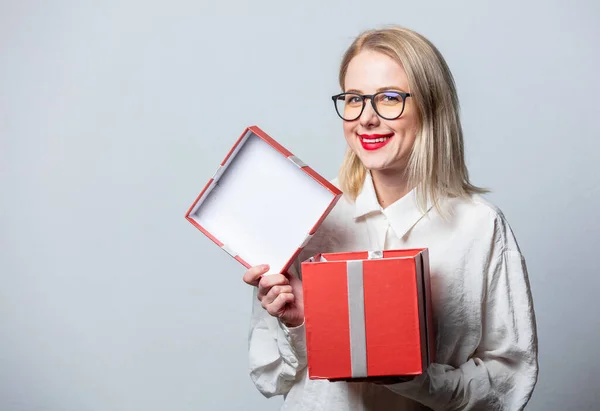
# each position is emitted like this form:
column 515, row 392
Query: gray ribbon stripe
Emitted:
column 356, row 310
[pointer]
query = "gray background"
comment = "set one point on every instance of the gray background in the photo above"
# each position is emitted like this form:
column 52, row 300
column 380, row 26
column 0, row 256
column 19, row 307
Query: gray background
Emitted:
column 113, row 115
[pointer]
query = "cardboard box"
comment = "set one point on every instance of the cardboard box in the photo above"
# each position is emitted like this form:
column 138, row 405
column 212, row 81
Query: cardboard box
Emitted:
column 368, row 314
column 263, row 204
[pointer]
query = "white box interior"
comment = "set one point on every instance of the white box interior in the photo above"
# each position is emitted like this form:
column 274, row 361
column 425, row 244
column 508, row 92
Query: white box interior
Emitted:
column 261, row 205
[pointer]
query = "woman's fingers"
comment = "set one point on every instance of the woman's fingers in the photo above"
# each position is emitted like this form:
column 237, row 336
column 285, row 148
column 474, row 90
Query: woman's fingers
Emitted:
column 253, row 275
column 277, row 307
column 274, row 292
column 268, row 281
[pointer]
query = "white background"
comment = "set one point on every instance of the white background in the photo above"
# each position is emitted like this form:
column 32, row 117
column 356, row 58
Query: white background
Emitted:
column 114, row 114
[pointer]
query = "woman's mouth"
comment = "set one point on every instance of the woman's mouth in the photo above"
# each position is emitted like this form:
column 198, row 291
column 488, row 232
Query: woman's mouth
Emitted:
column 374, row 141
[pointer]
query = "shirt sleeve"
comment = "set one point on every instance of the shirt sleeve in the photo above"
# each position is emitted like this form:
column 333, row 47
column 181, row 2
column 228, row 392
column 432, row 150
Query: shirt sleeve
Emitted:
column 502, row 372
column 277, row 354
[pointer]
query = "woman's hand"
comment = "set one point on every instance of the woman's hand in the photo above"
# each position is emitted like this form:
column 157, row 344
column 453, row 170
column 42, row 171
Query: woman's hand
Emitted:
column 281, row 295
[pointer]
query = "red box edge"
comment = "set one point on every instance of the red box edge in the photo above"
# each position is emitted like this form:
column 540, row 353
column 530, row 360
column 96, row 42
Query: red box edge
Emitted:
column 270, row 140
column 237, row 143
column 322, row 180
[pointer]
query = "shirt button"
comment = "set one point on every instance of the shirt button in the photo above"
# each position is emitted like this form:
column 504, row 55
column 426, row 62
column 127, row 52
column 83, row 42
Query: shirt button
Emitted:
column 292, row 360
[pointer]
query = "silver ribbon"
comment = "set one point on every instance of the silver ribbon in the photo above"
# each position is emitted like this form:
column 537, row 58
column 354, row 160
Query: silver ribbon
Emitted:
column 218, row 173
column 374, row 255
column 229, row 250
column 356, row 311
column 297, row 161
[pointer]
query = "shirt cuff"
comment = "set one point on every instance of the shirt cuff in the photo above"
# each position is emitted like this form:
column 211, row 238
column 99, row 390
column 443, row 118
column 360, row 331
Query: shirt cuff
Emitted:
column 296, row 336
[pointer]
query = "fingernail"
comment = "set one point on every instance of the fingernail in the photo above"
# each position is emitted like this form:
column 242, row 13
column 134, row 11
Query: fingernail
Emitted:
column 265, row 267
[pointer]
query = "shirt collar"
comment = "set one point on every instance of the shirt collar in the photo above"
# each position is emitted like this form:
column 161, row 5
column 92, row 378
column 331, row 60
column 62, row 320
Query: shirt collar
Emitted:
column 402, row 215
column 366, row 201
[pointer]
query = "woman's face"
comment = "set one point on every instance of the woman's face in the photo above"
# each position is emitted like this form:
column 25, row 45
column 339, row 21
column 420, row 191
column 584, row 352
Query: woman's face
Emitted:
column 368, row 73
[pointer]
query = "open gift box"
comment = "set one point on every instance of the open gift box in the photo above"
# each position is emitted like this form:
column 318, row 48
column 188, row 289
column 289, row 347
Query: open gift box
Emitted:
column 368, row 314
column 263, row 204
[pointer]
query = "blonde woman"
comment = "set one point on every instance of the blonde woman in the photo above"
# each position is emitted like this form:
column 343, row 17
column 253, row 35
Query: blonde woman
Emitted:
column 406, row 185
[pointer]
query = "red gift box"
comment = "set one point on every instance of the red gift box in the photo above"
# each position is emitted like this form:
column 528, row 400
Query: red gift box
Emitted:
column 368, row 314
column 263, row 204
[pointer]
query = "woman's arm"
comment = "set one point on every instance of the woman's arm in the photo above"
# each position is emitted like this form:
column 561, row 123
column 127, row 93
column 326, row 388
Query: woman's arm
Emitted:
column 277, row 354
column 502, row 372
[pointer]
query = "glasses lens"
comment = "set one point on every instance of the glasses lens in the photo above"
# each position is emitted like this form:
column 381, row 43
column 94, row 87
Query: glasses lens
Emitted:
column 389, row 104
column 349, row 106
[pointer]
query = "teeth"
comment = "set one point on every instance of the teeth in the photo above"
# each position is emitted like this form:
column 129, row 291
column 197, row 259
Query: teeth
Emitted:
column 375, row 140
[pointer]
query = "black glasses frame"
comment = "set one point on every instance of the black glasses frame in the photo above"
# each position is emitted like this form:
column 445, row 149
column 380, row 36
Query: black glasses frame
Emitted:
column 372, row 97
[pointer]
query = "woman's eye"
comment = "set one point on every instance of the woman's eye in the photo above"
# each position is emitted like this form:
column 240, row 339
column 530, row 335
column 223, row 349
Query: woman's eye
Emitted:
column 353, row 100
column 392, row 97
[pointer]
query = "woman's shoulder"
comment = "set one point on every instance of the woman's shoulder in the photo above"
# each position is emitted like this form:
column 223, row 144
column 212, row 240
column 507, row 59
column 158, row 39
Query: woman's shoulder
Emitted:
column 475, row 205
column 478, row 213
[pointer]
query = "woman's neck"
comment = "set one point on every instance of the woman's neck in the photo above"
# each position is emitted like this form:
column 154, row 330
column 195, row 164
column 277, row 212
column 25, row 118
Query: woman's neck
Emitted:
column 390, row 186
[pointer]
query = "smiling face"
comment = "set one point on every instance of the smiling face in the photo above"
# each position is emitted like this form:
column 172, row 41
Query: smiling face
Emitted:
column 382, row 145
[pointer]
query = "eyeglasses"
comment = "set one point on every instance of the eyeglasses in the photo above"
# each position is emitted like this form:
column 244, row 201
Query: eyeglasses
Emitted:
column 388, row 105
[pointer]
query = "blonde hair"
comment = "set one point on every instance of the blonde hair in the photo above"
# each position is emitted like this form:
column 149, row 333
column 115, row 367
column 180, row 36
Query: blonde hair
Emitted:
column 436, row 167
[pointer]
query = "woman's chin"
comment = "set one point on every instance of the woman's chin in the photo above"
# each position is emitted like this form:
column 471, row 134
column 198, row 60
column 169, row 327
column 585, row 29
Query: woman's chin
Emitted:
column 376, row 165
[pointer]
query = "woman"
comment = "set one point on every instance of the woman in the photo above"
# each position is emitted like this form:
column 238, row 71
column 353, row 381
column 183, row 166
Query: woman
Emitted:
column 406, row 185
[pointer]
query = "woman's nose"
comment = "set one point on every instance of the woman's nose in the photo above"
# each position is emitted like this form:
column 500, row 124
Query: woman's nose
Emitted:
column 369, row 117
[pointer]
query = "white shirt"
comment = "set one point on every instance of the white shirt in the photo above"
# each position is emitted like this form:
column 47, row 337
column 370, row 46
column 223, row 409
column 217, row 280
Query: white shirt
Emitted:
column 486, row 354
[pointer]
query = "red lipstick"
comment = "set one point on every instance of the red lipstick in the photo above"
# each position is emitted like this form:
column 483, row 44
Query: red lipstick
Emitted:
column 374, row 141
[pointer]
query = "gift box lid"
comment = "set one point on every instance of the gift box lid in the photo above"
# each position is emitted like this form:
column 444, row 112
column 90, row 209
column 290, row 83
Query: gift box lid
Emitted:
column 263, row 204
